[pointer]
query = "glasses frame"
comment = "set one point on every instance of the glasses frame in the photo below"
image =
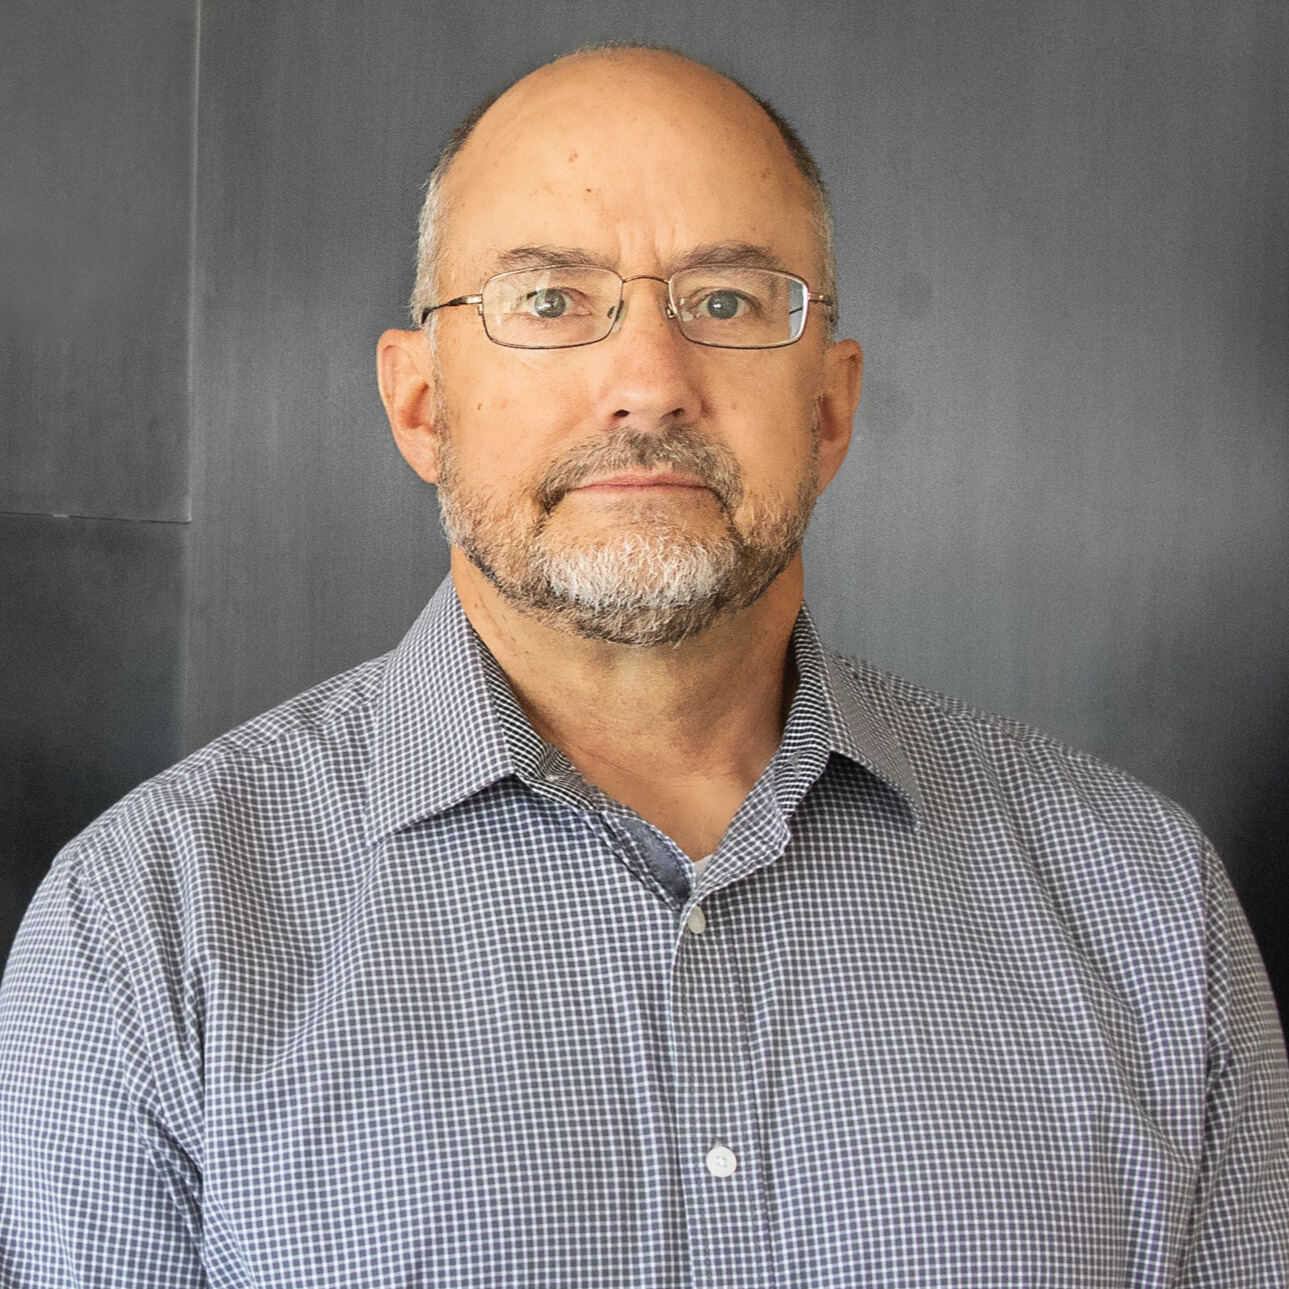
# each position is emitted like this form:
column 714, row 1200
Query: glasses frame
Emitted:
column 669, row 282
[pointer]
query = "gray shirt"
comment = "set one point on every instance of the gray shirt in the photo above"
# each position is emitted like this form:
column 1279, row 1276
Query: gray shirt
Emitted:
column 377, row 991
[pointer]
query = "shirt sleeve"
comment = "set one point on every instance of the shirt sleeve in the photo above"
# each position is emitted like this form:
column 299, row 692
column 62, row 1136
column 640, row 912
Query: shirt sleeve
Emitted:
column 94, row 1188
column 1241, row 1217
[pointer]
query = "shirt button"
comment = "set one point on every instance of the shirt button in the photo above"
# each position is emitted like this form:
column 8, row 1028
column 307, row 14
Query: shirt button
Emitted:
column 697, row 920
column 721, row 1161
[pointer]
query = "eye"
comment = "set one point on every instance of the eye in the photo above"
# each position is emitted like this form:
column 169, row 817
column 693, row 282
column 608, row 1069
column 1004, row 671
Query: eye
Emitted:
column 723, row 306
column 549, row 303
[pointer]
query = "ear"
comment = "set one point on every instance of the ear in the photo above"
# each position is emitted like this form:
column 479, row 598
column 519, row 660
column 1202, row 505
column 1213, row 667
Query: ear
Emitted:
column 406, row 377
column 839, row 397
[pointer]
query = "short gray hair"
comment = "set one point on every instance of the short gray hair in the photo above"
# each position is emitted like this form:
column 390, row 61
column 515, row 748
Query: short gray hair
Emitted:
column 429, row 249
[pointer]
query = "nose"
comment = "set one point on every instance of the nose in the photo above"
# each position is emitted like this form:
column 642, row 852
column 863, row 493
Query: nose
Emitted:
column 648, row 377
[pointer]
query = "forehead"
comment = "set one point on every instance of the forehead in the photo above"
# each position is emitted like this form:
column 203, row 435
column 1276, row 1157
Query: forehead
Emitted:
column 637, row 159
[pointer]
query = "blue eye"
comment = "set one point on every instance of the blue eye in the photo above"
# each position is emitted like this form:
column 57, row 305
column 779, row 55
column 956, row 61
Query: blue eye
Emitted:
column 548, row 303
column 723, row 305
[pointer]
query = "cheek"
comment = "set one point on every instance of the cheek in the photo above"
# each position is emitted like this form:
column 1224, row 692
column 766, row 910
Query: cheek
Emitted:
column 481, row 380
column 499, row 452
column 772, row 433
column 514, row 406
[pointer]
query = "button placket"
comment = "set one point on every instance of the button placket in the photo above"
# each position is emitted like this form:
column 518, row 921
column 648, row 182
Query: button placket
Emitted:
column 726, row 1214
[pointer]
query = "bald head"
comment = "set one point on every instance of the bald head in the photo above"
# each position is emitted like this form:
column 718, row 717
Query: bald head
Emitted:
column 614, row 126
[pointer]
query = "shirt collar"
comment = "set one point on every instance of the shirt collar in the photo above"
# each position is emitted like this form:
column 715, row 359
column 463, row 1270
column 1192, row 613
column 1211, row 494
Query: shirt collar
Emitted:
column 438, row 737
column 852, row 725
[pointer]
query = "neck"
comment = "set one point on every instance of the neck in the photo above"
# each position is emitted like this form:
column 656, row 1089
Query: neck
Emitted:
column 679, row 733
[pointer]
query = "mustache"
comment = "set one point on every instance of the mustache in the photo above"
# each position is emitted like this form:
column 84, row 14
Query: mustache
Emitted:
column 682, row 448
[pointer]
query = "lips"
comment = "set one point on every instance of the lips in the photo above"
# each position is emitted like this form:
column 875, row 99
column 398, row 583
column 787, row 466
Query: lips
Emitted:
column 635, row 480
column 679, row 458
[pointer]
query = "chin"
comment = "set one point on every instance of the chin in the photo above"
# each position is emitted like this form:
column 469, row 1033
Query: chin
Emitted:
column 647, row 588
column 636, row 573
column 609, row 517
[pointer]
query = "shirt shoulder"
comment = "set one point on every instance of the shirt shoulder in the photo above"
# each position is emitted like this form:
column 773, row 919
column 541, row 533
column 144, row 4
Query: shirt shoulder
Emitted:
column 965, row 754
column 335, row 707
column 306, row 755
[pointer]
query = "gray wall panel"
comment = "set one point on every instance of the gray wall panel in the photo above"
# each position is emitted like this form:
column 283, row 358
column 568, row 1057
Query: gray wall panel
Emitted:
column 316, row 544
column 1063, row 242
column 1069, row 257
column 90, row 633
column 96, row 139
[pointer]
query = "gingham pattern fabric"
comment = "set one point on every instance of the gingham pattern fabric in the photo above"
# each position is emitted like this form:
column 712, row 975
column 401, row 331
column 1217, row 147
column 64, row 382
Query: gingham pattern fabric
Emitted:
column 375, row 991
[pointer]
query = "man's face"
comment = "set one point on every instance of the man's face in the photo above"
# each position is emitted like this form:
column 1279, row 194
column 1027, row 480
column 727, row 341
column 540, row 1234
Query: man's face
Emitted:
column 633, row 489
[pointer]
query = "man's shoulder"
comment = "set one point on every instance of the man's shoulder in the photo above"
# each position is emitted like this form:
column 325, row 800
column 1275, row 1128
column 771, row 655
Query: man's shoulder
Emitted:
column 306, row 746
column 950, row 743
column 336, row 708
column 912, row 705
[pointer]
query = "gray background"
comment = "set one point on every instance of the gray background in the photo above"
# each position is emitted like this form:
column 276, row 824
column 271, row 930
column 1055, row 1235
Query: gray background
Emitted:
column 1063, row 243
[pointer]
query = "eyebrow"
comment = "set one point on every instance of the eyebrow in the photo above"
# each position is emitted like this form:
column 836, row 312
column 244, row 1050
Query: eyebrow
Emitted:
column 725, row 254
column 743, row 255
column 554, row 257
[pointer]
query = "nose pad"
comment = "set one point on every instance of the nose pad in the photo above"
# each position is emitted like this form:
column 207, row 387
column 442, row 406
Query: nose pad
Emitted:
column 619, row 310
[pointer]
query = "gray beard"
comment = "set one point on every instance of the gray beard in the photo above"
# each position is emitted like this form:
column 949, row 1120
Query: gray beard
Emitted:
column 657, row 585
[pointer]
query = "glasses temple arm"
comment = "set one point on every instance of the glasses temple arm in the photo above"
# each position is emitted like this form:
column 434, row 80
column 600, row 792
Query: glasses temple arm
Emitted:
column 449, row 304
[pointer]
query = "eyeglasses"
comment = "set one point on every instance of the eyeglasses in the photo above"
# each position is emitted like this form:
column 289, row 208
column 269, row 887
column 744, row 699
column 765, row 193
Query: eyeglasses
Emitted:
column 726, row 307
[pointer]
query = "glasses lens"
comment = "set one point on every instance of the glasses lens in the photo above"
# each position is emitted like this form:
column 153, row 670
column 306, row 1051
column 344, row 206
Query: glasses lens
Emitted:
column 551, row 308
column 737, row 308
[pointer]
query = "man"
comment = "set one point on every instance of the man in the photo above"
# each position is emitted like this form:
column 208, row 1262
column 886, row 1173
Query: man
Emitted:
column 611, row 931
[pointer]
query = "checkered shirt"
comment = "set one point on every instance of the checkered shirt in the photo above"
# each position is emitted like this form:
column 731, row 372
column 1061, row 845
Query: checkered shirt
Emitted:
column 377, row 991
